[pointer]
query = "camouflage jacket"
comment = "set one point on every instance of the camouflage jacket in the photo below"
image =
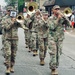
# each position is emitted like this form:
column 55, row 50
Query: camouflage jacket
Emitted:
column 10, row 29
column 56, row 28
column 3, row 22
column 42, row 28
column 27, row 23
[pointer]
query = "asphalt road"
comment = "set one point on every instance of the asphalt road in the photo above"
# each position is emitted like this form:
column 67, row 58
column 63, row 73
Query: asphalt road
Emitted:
column 26, row 64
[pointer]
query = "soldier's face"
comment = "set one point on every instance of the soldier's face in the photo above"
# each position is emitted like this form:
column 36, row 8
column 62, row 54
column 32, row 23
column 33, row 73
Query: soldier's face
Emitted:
column 37, row 13
column 55, row 11
column 45, row 16
column 8, row 12
column 38, row 17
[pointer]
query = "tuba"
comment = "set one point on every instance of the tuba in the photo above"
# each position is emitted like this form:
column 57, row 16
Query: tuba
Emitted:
column 67, row 12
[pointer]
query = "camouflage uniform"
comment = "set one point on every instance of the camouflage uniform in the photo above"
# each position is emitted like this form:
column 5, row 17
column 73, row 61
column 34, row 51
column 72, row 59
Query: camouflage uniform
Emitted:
column 28, row 23
column 26, row 32
column 11, row 41
column 34, row 37
column 55, row 40
column 42, row 30
column 26, row 37
column 3, row 35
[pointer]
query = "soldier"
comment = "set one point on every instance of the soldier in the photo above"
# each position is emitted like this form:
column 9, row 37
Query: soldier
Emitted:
column 3, row 30
column 56, row 37
column 11, row 40
column 34, row 36
column 28, row 33
column 42, row 31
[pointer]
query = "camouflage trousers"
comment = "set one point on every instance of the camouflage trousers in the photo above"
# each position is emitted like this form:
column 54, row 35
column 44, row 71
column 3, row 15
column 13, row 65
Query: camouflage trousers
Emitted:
column 26, row 36
column 55, row 50
column 42, row 42
column 34, row 40
column 10, row 51
column 3, row 39
column 3, row 51
column 30, row 40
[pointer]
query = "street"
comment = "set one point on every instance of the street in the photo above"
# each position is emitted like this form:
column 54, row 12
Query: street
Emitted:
column 26, row 64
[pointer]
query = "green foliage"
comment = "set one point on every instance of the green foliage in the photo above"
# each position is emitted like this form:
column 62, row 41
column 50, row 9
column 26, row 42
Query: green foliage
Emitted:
column 20, row 4
column 10, row 2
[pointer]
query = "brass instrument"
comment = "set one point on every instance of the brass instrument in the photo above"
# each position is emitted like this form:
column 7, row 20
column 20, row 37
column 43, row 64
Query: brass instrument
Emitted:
column 65, row 17
column 32, row 6
column 67, row 12
column 20, row 19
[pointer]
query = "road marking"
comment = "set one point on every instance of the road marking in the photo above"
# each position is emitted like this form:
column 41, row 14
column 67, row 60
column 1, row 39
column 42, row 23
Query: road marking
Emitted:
column 70, row 34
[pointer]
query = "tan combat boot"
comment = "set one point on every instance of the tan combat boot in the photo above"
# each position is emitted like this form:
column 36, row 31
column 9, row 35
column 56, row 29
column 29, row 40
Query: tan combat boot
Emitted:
column 26, row 46
column 12, row 67
column 12, row 70
column 42, row 62
column 54, row 72
column 5, row 62
column 29, row 50
column 8, row 71
column 35, row 53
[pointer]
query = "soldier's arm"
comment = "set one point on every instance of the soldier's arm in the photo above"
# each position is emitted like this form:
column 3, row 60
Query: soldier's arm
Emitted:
column 66, row 21
column 27, row 22
column 8, row 24
column 52, row 23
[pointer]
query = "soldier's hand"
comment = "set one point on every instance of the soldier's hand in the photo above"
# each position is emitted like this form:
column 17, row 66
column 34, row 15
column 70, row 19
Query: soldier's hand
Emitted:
column 28, row 16
column 59, row 16
column 13, row 19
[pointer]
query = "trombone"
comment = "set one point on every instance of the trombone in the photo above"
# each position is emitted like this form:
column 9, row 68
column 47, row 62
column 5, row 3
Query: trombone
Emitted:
column 20, row 19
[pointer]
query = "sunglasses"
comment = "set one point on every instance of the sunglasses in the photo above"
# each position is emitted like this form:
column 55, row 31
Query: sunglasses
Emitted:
column 57, row 9
column 8, row 10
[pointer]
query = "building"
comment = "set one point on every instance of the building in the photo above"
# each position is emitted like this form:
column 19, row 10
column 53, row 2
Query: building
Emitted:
column 62, row 3
column 39, row 2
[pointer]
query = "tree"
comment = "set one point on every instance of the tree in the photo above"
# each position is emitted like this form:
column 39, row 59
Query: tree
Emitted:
column 19, row 2
column 10, row 2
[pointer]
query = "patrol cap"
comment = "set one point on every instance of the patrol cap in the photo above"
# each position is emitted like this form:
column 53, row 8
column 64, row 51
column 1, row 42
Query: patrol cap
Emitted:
column 45, row 13
column 37, row 10
column 56, row 7
column 9, row 8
